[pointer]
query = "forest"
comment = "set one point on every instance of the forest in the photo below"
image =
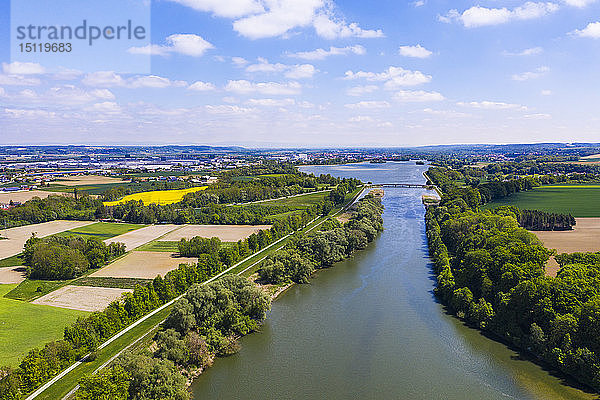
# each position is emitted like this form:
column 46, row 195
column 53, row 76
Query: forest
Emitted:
column 308, row 252
column 491, row 273
column 60, row 258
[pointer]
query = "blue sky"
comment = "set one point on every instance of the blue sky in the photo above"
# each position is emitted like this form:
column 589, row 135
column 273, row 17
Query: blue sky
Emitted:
column 270, row 73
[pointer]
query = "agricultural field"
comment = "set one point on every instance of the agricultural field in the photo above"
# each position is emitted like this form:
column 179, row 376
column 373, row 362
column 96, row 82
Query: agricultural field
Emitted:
column 25, row 195
column 9, row 275
column 300, row 202
column 87, row 180
column 577, row 200
column 138, row 237
column 16, row 237
column 102, row 230
column 24, row 326
column 163, row 246
column 142, row 265
column 227, row 233
column 84, row 298
column 157, row 197
column 585, row 237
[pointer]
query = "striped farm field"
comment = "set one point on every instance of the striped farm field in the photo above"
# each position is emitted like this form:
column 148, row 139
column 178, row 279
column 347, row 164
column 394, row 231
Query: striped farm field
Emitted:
column 577, row 200
column 156, row 197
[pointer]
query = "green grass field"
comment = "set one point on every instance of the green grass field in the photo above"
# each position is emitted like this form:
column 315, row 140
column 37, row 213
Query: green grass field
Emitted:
column 13, row 261
column 24, row 326
column 298, row 201
column 31, row 289
column 102, row 230
column 577, row 200
column 168, row 247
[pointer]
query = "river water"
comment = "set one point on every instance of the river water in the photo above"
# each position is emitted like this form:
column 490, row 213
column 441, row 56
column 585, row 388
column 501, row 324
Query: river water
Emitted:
column 370, row 327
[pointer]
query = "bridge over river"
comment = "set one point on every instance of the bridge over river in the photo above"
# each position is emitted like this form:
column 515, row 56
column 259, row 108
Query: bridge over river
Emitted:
column 400, row 185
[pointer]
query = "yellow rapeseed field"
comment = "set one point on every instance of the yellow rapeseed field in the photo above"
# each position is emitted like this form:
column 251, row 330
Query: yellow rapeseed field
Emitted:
column 156, row 197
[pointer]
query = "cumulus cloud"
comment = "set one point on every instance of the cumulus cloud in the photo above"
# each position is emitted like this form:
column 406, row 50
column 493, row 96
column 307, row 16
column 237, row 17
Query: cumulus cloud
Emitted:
column 186, row 44
column 417, row 96
column 417, row 51
column 321, row 54
column 368, row 105
column 360, row 90
column 393, row 77
column 61, row 95
column 477, row 16
column 239, row 61
column 18, row 80
column 24, row 113
column 271, row 102
column 525, row 76
column 112, row 79
column 200, row 86
column 492, row 105
column 303, row 71
column 361, row 118
column 257, row 19
column 22, row 68
column 266, row 88
column 592, row 30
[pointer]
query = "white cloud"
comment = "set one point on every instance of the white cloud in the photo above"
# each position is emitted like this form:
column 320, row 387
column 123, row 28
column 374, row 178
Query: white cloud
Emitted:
column 445, row 113
column 417, row 51
column 525, row 76
column 227, row 8
column 257, row 19
column 579, row 3
column 239, row 61
column 417, row 96
column 18, row 80
column 592, row 30
column 103, row 79
column 537, row 116
column 492, row 105
column 22, row 68
column 62, row 95
column 112, row 79
column 2, row 92
column 103, row 94
column 267, row 88
column 22, row 113
column 481, row 16
column 106, row 107
column 290, row 71
column 153, row 81
column 533, row 51
column 361, row 118
column 394, row 77
column 369, row 105
column 227, row 109
column 271, row 102
column 546, row 92
column 303, row 71
column 360, row 90
column 200, row 86
column 419, row 3
column 321, row 54
column 186, row 44
column 332, row 29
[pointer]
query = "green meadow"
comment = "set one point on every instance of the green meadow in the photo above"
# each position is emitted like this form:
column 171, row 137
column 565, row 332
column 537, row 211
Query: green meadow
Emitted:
column 577, row 200
column 24, row 326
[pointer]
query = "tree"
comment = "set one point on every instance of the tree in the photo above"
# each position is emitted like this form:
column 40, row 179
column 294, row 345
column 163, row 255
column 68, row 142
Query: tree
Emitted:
column 111, row 384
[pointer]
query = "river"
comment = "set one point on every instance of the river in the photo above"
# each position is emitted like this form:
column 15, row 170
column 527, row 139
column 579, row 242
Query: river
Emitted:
column 370, row 327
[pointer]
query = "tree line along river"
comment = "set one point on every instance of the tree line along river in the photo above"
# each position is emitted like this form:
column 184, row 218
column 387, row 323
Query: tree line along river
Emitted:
column 371, row 328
